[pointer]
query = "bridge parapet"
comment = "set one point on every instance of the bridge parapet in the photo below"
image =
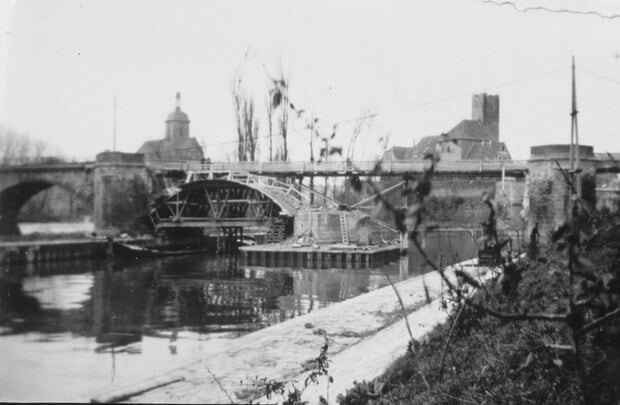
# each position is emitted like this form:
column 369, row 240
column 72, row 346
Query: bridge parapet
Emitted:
column 46, row 168
column 364, row 168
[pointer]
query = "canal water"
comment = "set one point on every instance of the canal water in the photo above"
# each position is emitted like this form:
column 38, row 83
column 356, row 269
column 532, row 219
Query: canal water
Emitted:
column 69, row 329
column 84, row 226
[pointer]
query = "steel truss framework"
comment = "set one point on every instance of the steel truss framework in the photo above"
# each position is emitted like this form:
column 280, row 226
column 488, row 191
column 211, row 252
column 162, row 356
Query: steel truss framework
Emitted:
column 234, row 200
column 216, row 204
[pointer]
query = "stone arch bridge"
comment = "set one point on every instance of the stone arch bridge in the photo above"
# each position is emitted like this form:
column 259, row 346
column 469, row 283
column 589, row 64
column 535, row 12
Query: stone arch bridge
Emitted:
column 118, row 186
column 18, row 184
column 123, row 187
column 122, row 190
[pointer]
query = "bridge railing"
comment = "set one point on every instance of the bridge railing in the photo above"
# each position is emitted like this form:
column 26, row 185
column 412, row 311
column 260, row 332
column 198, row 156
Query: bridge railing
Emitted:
column 343, row 168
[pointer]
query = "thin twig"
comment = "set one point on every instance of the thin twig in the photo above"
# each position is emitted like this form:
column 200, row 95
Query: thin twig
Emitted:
column 219, row 384
column 402, row 305
column 599, row 321
column 557, row 346
column 498, row 314
column 445, row 347
column 404, row 312
column 460, row 400
column 575, row 331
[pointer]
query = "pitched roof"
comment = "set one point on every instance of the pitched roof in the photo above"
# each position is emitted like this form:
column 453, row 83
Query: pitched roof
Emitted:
column 469, row 129
column 181, row 149
column 486, row 150
column 425, row 146
column 398, row 153
column 472, row 148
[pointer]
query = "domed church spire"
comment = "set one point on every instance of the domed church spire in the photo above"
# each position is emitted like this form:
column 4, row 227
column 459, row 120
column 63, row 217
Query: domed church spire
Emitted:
column 177, row 124
column 177, row 145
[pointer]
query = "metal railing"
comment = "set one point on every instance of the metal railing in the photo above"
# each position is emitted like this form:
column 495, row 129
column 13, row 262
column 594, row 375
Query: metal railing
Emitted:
column 346, row 168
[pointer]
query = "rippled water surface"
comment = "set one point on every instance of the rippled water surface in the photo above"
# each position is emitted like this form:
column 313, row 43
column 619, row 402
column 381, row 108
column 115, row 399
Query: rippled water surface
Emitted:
column 69, row 329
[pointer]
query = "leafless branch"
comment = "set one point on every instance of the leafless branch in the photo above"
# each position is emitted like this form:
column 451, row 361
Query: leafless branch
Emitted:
column 445, row 347
column 599, row 321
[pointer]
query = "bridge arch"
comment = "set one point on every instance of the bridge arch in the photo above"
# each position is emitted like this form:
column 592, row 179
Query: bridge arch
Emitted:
column 221, row 203
column 16, row 189
column 254, row 203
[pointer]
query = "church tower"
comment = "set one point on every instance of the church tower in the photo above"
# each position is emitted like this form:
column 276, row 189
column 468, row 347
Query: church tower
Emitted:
column 177, row 124
column 177, row 145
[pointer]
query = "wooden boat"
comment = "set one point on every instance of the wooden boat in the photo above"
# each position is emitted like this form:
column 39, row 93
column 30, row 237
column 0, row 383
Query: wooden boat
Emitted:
column 135, row 251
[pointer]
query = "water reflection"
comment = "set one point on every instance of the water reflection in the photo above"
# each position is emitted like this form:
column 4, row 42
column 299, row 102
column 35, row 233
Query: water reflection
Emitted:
column 105, row 321
column 119, row 302
column 158, row 313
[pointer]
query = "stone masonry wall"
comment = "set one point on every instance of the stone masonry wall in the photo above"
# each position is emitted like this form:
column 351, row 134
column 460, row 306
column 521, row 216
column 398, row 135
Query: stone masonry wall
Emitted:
column 121, row 191
column 547, row 189
column 458, row 202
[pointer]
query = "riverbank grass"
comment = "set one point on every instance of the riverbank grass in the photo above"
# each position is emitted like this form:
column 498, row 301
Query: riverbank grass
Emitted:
column 493, row 361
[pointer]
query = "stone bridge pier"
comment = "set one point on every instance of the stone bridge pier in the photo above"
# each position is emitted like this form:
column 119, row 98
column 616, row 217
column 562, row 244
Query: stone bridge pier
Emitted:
column 547, row 198
column 122, row 188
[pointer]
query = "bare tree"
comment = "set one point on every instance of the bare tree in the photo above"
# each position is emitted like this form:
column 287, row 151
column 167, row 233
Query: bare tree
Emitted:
column 16, row 148
column 328, row 150
column 270, row 112
column 37, row 150
column 279, row 100
column 364, row 121
column 246, row 121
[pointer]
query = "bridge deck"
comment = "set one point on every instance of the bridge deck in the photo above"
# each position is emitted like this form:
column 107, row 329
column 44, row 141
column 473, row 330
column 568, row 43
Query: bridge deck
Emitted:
column 607, row 162
column 368, row 168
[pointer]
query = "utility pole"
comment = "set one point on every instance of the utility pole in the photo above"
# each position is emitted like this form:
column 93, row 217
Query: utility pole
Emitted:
column 114, row 128
column 270, row 112
column 311, row 156
column 574, row 138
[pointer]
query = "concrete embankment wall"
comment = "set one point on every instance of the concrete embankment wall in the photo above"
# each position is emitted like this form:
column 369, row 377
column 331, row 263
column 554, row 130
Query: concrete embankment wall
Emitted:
column 49, row 251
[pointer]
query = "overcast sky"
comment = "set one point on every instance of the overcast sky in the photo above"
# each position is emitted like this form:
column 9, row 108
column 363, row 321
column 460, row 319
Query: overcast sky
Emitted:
column 415, row 64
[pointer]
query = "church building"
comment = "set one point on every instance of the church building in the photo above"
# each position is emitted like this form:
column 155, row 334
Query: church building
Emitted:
column 177, row 144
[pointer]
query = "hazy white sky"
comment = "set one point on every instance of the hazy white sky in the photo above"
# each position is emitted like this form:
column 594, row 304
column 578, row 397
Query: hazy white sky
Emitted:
column 415, row 63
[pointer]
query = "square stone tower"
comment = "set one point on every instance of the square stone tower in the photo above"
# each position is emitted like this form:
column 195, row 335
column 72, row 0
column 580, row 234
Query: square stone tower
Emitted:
column 485, row 109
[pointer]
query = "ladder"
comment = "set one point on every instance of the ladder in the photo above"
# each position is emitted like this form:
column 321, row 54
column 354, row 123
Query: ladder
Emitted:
column 344, row 230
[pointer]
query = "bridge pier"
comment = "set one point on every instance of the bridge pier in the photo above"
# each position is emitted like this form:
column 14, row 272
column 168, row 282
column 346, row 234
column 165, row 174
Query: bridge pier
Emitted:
column 547, row 190
column 121, row 190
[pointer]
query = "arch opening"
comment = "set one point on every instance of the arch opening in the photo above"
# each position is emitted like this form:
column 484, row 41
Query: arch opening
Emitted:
column 42, row 201
column 216, row 204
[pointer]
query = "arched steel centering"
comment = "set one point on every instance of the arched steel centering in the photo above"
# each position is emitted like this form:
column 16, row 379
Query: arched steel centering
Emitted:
column 234, row 199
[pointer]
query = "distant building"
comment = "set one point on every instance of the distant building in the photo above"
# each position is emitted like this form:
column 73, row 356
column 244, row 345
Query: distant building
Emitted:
column 177, row 145
column 398, row 153
column 475, row 139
